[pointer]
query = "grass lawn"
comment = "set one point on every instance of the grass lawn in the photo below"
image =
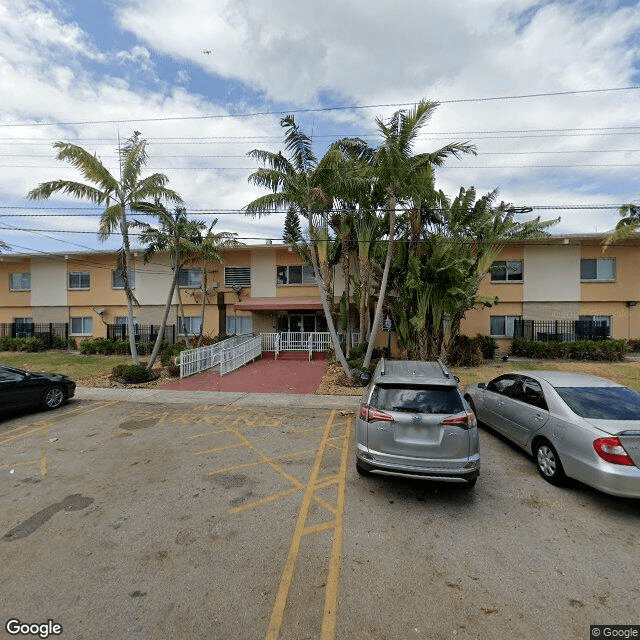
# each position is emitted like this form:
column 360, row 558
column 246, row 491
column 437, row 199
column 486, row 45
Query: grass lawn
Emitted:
column 73, row 364
column 626, row 373
column 80, row 366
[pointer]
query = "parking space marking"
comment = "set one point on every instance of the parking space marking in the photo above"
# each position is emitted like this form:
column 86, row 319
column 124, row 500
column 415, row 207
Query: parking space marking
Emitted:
column 37, row 427
column 303, row 529
column 43, row 461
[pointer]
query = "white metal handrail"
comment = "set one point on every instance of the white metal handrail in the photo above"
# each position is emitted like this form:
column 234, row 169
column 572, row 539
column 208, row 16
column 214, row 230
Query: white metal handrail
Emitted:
column 192, row 361
column 239, row 354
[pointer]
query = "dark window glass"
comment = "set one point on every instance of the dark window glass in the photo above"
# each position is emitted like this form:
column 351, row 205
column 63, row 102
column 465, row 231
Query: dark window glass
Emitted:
column 602, row 403
column 417, row 399
column 530, row 391
column 281, row 277
column 503, row 386
column 295, row 275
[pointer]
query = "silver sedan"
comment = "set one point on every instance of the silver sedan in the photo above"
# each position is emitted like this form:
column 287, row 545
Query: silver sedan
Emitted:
column 578, row 426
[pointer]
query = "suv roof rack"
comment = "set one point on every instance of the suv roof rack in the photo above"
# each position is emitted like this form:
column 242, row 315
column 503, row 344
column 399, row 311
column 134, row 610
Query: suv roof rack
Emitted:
column 445, row 371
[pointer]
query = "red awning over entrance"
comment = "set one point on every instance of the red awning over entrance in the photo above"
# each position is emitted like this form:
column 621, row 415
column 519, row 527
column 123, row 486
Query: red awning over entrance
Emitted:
column 278, row 304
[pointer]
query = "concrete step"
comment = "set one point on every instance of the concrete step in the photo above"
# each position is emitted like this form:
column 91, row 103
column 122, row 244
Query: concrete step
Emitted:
column 294, row 355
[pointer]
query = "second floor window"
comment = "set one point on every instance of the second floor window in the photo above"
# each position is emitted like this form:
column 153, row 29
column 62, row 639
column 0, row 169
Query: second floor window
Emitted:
column 301, row 274
column 117, row 279
column 598, row 269
column 79, row 280
column 507, row 271
column 190, row 277
column 20, row 282
column 237, row 276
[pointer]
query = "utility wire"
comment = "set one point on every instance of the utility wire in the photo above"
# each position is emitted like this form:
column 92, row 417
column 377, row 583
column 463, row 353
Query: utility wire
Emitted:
column 544, row 94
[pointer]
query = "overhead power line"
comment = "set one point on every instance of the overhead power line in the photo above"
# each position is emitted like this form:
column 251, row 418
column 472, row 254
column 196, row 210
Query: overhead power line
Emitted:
column 544, row 94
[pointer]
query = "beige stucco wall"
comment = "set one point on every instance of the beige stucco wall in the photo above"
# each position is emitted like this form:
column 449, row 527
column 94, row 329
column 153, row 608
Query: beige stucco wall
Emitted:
column 263, row 274
column 264, row 322
column 48, row 282
column 551, row 310
column 153, row 280
column 551, row 273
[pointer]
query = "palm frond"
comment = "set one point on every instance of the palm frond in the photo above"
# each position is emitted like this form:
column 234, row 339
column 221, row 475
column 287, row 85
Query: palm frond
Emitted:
column 89, row 165
column 275, row 161
column 298, row 144
column 76, row 189
column 111, row 218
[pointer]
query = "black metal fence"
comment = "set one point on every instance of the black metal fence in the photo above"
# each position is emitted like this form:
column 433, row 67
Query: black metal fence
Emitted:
column 563, row 330
column 143, row 332
column 51, row 334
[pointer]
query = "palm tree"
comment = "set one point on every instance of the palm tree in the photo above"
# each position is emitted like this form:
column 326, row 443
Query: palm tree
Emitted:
column 116, row 195
column 177, row 235
column 626, row 227
column 301, row 183
column 400, row 177
column 208, row 248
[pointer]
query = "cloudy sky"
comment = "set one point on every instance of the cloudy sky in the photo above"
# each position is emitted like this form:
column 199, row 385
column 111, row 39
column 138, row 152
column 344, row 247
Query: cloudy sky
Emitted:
column 547, row 90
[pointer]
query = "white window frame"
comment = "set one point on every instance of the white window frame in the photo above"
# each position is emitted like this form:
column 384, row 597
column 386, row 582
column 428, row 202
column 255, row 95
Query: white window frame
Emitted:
column 117, row 273
column 307, row 276
column 80, row 275
column 242, row 322
column 120, row 321
column 87, row 326
column 189, row 322
column 508, row 320
column 237, row 276
column 599, row 261
column 517, row 276
column 190, row 278
column 24, row 283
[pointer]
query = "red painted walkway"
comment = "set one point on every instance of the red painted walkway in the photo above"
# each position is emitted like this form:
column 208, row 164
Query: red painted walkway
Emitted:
column 289, row 374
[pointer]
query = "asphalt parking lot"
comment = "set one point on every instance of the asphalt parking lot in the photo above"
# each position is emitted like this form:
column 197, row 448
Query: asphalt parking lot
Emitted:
column 157, row 514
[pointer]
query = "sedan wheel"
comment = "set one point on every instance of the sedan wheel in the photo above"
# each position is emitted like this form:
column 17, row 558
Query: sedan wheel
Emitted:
column 549, row 464
column 53, row 397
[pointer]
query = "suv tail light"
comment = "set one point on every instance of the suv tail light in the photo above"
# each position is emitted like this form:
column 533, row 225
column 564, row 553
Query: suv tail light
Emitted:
column 611, row 450
column 369, row 415
column 466, row 420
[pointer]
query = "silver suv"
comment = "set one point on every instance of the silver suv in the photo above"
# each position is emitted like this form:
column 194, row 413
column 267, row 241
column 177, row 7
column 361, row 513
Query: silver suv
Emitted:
column 414, row 422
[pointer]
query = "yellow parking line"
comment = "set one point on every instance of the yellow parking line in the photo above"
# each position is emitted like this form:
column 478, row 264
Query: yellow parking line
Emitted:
column 43, row 461
column 45, row 425
column 18, row 464
column 328, row 631
column 217, row 449
column 266, row 500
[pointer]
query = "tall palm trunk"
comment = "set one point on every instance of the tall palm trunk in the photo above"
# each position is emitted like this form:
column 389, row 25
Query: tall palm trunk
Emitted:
column 124, row 229
column 325, row 303
column 383, row 285
column 165, row 315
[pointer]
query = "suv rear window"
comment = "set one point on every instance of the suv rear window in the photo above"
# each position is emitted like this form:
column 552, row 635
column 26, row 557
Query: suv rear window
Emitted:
column 416, row 399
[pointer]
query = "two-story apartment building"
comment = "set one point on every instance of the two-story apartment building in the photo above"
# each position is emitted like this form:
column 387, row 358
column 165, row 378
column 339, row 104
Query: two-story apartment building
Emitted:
column 266, row 288
column 568, row 278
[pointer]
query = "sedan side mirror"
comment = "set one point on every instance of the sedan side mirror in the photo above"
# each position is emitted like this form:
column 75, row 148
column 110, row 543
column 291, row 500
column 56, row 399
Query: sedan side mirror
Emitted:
column 482, row 385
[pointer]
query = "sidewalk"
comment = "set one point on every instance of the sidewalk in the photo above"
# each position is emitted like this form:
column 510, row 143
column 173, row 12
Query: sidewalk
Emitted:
column 218, row 398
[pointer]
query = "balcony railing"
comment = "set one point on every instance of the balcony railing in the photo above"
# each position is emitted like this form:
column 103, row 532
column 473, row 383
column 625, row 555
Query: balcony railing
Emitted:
column 562, row 330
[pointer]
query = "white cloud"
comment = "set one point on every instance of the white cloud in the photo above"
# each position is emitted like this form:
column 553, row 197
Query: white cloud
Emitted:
column 358, row 52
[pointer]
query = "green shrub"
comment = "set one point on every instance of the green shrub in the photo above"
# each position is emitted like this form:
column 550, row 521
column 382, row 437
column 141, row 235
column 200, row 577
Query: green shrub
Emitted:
column 131, row 372
column 465, row 352
column 597, row 350
column 487, row 345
